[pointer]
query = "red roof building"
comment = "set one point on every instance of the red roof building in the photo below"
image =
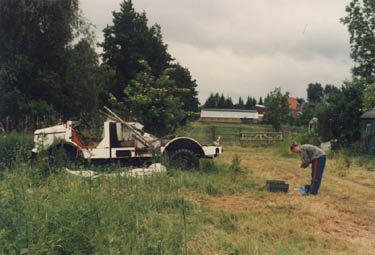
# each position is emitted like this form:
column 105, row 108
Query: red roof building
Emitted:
column 294, row 106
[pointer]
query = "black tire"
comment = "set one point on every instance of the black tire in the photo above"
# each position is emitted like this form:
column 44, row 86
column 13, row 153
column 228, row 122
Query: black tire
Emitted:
column 184, row 159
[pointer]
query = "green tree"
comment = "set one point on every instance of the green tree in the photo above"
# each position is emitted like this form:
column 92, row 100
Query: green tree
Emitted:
column 341, row 118
column 240, row 104
column 150, row 100
column 260, row 101
column 217, row 98
column 84, row 85
column 210, row 102
column 329, row 90
column 228, row 103
column 249, row 103
column 369, row 97
column 361, row 26
column 315, row 92
column 306, row 116
column 300, row 100
column 130, row 40
column 276, row 108
column 36, row 38
column 221, row 102
column 254, row 103
column 187, row 92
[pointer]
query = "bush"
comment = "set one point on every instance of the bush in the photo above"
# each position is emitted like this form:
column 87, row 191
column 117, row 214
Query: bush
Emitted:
column 209, row 166
column 235, row 167
column 308, row 138
column 15, row 147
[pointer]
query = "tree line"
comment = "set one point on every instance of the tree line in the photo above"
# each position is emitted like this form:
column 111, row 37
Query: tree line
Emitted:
column 341, row 108
column 216, row 101
column 338, row 109
column 277, row 108
column 49, row 68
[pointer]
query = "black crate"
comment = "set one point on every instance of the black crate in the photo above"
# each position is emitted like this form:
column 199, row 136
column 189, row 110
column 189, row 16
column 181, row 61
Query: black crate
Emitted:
column 277, row 187
column 275, row 182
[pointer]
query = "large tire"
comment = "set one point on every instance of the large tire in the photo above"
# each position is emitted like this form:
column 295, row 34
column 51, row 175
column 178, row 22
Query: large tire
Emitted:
column 184, row 159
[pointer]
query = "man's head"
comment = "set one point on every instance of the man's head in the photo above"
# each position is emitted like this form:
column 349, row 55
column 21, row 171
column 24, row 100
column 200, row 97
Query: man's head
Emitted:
column 294, row 147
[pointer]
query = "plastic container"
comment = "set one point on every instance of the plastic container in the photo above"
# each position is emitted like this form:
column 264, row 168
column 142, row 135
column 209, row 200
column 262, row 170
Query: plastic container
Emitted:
column 277, row 186
column 275, row 182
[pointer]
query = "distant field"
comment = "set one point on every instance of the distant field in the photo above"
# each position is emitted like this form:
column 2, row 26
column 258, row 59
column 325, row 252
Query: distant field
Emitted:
column 222, row 208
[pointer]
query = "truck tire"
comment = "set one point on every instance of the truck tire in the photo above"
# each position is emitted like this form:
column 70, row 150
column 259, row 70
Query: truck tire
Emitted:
column 184, row 159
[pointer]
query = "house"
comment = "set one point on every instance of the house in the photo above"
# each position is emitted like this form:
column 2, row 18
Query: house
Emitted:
column 229, row 115
column 260, row 109
column 294, row 106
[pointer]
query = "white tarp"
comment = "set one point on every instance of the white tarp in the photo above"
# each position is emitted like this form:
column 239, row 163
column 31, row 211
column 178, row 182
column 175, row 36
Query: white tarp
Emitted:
column 156, row 168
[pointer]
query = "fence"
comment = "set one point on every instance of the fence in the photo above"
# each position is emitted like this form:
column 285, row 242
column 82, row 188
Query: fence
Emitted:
column 261, row 136
column 239, row 133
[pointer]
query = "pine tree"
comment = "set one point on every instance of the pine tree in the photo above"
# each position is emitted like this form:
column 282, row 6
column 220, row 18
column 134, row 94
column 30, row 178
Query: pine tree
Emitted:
column 260, row 101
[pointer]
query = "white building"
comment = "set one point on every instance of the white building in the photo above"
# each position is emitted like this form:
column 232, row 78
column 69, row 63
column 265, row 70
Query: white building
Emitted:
column 229, row 115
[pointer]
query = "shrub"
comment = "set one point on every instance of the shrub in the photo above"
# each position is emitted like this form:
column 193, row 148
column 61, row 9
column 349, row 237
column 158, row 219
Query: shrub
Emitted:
column 209, row 166
column 235, row 167
column 15, row 147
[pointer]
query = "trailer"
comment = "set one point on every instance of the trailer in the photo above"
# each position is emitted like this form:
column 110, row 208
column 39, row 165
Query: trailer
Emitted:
column 122, row 140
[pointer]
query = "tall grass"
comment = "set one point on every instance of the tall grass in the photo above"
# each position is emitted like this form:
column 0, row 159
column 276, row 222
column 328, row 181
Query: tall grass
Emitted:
column 43, row 210
column 69, row 215
column 15, row 147
column 73, row 215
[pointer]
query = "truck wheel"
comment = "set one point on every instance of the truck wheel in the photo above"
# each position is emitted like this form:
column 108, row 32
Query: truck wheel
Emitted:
column 184, row 159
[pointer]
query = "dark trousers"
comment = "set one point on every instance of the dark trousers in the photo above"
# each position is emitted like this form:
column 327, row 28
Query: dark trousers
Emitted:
column 317, row 169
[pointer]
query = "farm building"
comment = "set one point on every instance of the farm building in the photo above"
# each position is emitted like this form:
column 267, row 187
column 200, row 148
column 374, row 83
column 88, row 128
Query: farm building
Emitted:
column 368, row 131
column 229, row 115
column 260, row 109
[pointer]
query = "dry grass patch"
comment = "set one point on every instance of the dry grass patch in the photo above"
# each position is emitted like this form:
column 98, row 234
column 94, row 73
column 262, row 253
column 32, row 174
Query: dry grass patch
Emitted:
column 340, row 220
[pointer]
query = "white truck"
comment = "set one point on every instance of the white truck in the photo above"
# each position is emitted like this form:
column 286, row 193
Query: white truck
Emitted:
column 123, row 140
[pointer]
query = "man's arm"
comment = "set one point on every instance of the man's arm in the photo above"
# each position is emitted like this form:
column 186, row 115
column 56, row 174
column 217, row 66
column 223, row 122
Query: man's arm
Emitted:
column 305, row 159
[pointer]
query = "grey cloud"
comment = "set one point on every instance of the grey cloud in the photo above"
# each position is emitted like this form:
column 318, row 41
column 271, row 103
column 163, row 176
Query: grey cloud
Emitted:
column 248, row 46
column 251, row 28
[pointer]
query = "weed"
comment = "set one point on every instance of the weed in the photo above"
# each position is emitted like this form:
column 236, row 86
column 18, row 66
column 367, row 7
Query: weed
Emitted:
column 15, row 147
column 228, row 222
column 235, row 167
column 213, row 189
column 209, row 166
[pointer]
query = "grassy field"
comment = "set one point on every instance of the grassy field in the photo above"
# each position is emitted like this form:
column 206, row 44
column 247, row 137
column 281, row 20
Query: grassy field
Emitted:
column 223, row 208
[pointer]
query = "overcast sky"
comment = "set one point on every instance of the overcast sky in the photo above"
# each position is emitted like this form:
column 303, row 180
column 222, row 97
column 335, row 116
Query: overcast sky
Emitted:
column 247, row 48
